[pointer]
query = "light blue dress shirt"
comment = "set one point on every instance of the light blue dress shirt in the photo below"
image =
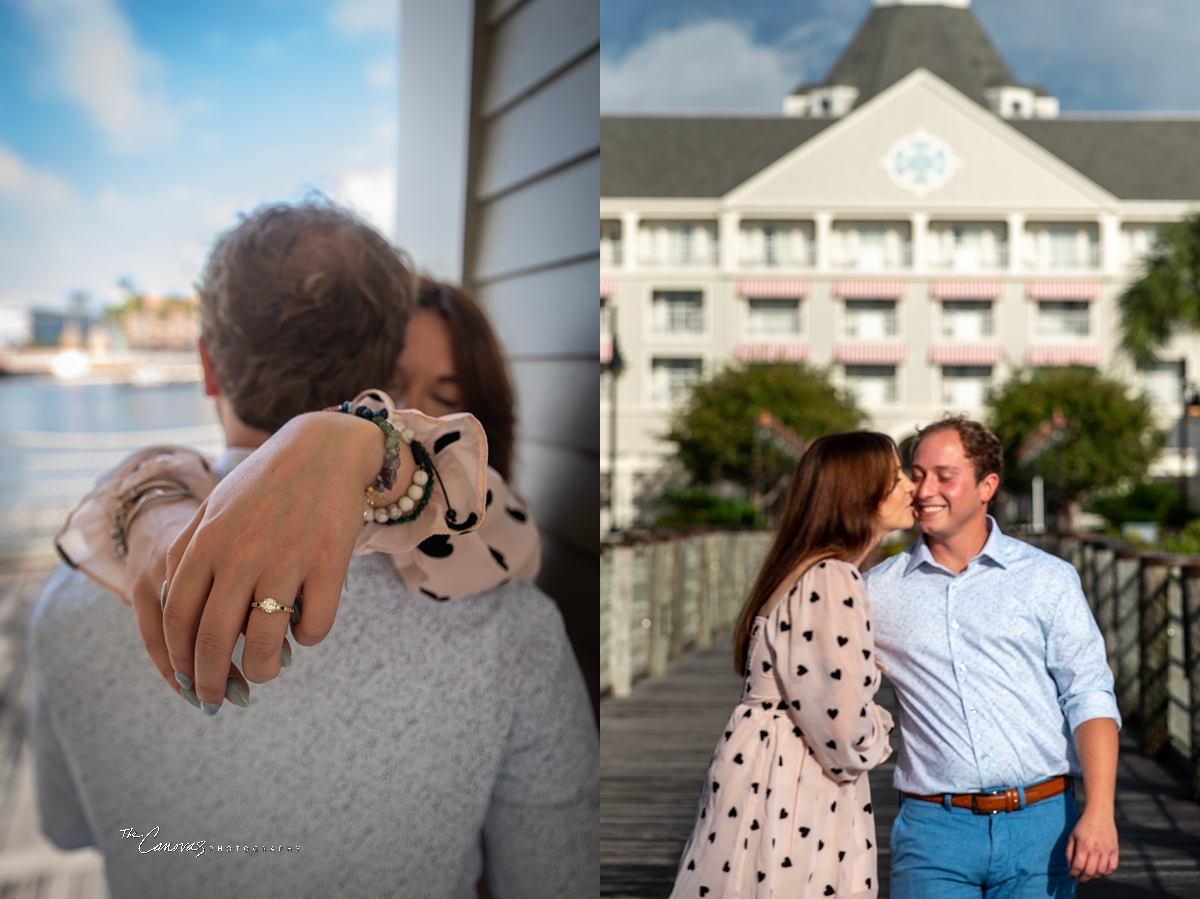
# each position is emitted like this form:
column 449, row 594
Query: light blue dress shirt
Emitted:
column 993, row 668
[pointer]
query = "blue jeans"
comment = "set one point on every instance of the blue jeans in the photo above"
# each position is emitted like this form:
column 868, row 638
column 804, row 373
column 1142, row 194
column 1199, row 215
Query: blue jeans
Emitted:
column 953, row 853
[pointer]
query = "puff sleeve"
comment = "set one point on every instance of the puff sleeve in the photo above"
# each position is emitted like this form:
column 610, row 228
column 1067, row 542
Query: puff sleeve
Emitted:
column 824, row 660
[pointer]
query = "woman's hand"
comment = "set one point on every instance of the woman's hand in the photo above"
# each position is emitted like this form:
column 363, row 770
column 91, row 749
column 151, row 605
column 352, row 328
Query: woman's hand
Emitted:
column 281, row 524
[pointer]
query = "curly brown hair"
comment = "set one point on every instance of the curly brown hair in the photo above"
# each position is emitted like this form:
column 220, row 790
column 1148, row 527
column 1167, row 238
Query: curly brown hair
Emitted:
column 981, row 447
column 302, row 307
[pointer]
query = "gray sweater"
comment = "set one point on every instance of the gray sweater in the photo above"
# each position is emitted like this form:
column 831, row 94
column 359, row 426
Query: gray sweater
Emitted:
column 420, row 745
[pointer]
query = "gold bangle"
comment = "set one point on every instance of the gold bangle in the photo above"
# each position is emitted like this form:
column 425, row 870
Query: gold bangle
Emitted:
column 134, row 502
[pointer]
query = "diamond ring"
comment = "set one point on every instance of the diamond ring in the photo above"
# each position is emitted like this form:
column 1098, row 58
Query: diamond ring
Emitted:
column 269, row 605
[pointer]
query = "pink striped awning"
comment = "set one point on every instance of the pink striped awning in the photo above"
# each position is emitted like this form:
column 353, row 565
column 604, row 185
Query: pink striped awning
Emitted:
column 857, row 289
column 965, row 354
column 772, row 288
column 870, row 353
column 772, row 352
column 1062, row 290
column 608, row 286
column 966, row 290
column 1063, row 355
column 605, row 350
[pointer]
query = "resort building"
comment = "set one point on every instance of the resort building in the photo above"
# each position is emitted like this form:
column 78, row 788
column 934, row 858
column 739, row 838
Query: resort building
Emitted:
column 920, row 225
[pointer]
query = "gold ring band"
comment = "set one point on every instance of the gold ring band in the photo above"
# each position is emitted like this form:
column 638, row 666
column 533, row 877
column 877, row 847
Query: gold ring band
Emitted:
column 269, row 606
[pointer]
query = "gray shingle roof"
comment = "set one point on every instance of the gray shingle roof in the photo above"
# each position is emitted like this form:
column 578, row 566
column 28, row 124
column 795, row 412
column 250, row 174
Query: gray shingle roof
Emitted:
column 676, row 156
column 895, row 40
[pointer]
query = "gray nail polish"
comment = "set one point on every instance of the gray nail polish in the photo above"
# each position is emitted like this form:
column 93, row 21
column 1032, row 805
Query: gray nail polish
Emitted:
column 296, row 613
column 191, row 697
column 286, row 656
column 209, row 708
column 184, row 680
column 236, row 693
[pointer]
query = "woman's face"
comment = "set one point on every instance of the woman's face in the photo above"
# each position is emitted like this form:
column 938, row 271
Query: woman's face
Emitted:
column 425, row 375
column 895, row 513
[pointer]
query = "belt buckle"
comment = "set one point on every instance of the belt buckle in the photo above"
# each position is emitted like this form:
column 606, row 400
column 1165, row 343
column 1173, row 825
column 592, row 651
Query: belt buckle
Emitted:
column 975, row 801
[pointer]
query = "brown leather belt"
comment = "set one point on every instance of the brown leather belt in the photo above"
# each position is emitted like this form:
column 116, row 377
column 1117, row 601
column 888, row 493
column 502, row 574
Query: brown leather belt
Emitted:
column 1001, row 800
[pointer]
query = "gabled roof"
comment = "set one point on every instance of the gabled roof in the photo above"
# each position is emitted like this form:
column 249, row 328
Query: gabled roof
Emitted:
column 896, row 40
column 677, row 156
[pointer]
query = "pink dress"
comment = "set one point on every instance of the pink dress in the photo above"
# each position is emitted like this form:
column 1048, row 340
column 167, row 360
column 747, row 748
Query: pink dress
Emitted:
column 785, row 810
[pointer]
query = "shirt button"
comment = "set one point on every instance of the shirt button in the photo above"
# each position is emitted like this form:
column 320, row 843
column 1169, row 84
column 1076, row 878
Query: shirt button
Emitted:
column 972, row 711
column 983, row 756
column 962, row 667
column 954, row 624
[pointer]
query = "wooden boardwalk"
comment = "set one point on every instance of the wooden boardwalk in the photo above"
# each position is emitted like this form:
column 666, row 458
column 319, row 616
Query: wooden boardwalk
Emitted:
column 656, row 745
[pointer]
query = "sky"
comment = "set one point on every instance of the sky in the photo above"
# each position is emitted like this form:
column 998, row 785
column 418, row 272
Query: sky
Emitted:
column 132, row 132
column 1094, row 55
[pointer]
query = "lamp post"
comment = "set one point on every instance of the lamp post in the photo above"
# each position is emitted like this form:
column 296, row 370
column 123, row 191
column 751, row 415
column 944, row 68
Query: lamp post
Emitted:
column 614, row 366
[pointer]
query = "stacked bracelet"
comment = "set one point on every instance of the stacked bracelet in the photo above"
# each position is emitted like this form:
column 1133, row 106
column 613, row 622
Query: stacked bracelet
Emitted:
column 133, row 502
column 416, row 497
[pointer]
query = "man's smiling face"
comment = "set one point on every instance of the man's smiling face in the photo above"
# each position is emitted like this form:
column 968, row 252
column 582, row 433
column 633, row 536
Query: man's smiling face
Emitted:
column 948, row 498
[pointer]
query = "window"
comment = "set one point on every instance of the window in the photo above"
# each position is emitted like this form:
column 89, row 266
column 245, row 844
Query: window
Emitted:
column 774, row 318
column 671, row 380
column 678, row 244
column 610, row 243
column 1064, row 319
column 870, row 246
column 870, row 319
column 967, row 248
column 1063, row 247
column 678, row 312
column 965, row 386
column 777, row 244
column 967, row 319
column 1162, row 384
column 872, row 385
column 1137, row 241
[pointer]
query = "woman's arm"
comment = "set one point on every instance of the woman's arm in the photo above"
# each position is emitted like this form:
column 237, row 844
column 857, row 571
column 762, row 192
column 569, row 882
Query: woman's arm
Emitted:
column 825, row 665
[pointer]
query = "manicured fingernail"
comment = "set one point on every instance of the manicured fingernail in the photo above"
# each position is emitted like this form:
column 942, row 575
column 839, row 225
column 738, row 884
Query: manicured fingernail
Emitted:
column 237, row 693
column 184, row 680
column 162, row 596
column 209, row 708
column 190, row 696
column 286, row 656
column 296, row 613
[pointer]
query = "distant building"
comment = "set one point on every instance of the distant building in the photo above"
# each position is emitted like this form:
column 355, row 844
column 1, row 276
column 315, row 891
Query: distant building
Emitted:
column 49, row 327
column 159, row 323
column 920, row 224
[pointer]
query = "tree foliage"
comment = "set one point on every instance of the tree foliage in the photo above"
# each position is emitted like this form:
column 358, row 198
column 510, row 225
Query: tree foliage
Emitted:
column 1166, row 299
column 1111, row 437
column 717, row 435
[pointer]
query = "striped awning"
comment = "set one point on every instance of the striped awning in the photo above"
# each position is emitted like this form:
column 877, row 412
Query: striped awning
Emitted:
column 608, row 286
column 605, row 350
column 965, row 354
column 1063, row 355
column 1062, row 290
column 966, row 290
column 870, row 353
column 772, row 288
column 772, row 352
column 858, row 289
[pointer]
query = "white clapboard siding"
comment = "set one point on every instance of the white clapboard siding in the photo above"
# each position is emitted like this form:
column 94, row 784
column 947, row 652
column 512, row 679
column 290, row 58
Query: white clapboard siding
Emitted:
column 533, row 262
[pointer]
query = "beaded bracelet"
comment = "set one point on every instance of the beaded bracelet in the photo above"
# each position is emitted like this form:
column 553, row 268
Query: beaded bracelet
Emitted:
column 416, row 498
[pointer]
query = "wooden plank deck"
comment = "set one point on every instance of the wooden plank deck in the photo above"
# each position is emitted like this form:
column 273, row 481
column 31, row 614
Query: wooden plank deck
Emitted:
column 656, row 745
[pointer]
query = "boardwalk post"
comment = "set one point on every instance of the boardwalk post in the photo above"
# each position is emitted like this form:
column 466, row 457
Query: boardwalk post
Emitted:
column 1155, row 649
column 1104, row 588
column 1085, row 561
column 704, row 601
column 621, row 658
column 1191, row 661
column 1127, row 656
column 659, row 612
column 679, row 624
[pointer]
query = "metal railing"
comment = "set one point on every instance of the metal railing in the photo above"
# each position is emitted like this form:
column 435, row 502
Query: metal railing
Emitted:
column 662, row 594
column 1147, row 605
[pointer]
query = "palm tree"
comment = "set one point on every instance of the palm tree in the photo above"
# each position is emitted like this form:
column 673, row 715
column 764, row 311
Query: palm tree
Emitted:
column 1166, row 300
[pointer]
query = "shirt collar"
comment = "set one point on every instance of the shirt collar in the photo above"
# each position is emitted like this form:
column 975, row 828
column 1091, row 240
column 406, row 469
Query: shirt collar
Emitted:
column 230, row 459
column 994, row 548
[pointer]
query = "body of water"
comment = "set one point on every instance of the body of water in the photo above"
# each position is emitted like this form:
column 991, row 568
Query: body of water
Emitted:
column 56, row 439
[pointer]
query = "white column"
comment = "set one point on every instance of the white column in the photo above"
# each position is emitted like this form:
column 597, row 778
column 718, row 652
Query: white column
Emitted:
column 919, row 222
column 1016, row 242
column 824, row 221
column 731, row 240
column 629, row 240
column 1110, row 244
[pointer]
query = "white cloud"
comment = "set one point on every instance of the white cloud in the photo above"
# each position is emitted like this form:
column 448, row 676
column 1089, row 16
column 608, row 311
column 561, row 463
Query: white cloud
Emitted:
column 354, row 18
column 23, row 185
column 713, row 64
column 372, row 194
column 381, row 73
column 95, row 62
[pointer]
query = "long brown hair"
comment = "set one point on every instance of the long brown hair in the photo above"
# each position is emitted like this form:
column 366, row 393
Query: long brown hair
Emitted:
column 478, row 367
column 830, row 513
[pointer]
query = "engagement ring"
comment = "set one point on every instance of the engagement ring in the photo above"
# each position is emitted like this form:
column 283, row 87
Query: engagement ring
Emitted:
column 269, row 605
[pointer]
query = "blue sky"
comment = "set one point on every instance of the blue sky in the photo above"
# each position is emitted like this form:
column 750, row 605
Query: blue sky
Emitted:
column 1095, row 55
column 133, row 131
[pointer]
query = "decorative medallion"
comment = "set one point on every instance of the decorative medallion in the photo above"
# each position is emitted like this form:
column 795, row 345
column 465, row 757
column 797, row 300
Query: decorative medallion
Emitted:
column 920, row 162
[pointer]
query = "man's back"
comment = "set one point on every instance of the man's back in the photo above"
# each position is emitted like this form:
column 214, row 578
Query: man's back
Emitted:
column 382, row 754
